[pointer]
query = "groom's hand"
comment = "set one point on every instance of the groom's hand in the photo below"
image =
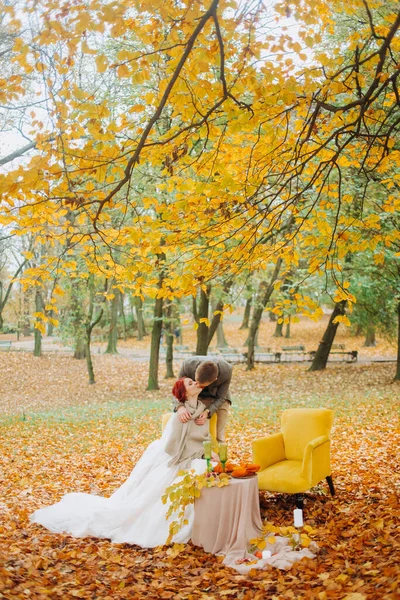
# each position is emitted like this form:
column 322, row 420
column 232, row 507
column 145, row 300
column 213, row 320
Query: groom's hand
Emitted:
column 183, row 414
column 202, row 418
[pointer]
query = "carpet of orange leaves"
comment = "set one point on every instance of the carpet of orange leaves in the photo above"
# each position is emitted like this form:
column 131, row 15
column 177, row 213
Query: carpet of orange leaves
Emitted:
column 59, row 434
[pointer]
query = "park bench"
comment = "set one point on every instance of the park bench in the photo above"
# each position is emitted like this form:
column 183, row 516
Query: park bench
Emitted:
column 264, row 355
column 231, row 355
column 5, row 344
column 344, row 355
column 298, row 352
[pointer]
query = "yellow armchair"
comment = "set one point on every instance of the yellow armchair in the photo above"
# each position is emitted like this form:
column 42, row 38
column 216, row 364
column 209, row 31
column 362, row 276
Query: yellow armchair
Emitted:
column 298, row 457
column 213, row 427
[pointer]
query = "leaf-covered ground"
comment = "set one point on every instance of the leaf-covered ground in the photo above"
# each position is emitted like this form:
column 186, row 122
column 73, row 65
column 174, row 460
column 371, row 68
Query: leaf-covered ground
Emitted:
column 59, row 434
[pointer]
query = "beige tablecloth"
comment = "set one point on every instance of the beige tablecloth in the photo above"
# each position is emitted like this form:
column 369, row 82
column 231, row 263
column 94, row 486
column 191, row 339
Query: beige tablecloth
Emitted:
column 226, row 519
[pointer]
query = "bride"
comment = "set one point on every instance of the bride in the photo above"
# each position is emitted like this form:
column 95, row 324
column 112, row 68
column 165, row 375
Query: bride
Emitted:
column 134, row 513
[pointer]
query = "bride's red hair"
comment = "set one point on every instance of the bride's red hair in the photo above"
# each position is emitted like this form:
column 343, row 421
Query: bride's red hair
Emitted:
column 179, row 390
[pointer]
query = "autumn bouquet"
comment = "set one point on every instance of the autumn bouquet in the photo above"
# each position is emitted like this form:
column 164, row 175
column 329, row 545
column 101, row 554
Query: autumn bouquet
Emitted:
column 184, row 492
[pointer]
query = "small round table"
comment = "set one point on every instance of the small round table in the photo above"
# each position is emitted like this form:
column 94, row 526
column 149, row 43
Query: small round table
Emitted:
column 227, row 518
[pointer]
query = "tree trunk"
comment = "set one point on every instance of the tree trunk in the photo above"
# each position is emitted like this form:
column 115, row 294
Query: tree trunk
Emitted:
column 221, row 340
column 246, row 315
column 152, row 383
column 78, row 322
column 122, row 313
column 26, row 326
column 264, row 294
column 370, row 340
column 169, row 340
column 89, row 362
column 216, row 322
column 359, row 330
column 322, row 354
column 287, row 333
column 90, row 325
column 141, row 330
column 202, row 330
column 80, row 348
column 255, row 340
column 50, row 326
column 39, row 307
column 397, row 376
column 278, row 329
column 113, row 327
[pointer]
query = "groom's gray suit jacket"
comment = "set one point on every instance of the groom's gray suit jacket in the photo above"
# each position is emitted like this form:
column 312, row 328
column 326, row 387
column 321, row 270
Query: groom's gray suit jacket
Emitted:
column 218, row 391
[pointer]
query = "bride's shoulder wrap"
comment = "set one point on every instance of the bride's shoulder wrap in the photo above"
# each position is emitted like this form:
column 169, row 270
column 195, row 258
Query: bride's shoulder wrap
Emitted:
column 185, row 440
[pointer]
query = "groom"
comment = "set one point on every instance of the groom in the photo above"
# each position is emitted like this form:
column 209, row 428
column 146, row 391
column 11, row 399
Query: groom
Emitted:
column 214, row 375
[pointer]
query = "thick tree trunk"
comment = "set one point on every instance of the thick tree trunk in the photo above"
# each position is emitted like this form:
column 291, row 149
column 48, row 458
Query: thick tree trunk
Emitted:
column 287, row 333
column 397, row 376
column 113, row 327
column 141, row 330
column 264, row 294
column 255, row 340
column 152, row 383
column 246, row 314
column 278, row 329
column 370, row 340
column 322, row 354
column 80, row 348
column 202, row 330
column 39, row 307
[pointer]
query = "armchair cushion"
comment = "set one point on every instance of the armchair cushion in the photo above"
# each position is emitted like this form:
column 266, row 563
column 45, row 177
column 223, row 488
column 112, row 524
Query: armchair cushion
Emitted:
column 284, row 476
column 300, row 425
column 268, row 450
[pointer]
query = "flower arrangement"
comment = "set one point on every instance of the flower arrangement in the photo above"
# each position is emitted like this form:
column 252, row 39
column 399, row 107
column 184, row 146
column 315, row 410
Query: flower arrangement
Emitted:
column 184, row 492
column 269, row 531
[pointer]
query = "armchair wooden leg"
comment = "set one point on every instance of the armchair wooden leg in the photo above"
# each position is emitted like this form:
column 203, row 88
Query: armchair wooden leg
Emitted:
column 330, row 483
column 299, row 501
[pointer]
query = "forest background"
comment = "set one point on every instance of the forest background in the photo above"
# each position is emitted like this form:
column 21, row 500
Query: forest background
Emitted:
column 179, row 161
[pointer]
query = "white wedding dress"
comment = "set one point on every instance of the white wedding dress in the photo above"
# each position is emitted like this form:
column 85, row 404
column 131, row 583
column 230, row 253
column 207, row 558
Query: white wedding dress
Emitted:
column 134, row 513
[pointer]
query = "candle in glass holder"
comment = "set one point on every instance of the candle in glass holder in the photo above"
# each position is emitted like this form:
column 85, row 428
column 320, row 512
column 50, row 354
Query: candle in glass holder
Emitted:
column 223, row 452
column 298, row 517
column 207, row 449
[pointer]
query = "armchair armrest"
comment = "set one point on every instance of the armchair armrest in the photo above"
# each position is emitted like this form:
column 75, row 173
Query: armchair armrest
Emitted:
column 268, row 450
column 316, row 460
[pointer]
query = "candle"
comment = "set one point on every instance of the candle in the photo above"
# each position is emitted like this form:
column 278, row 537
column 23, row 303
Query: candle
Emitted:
column 223, row 452
column 298, row 517
column 266, row 554
column 207, row 449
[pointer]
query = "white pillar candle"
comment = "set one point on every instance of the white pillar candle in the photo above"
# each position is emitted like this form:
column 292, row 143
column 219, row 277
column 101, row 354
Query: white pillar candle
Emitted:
column 298, row 517
column 266, row 554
